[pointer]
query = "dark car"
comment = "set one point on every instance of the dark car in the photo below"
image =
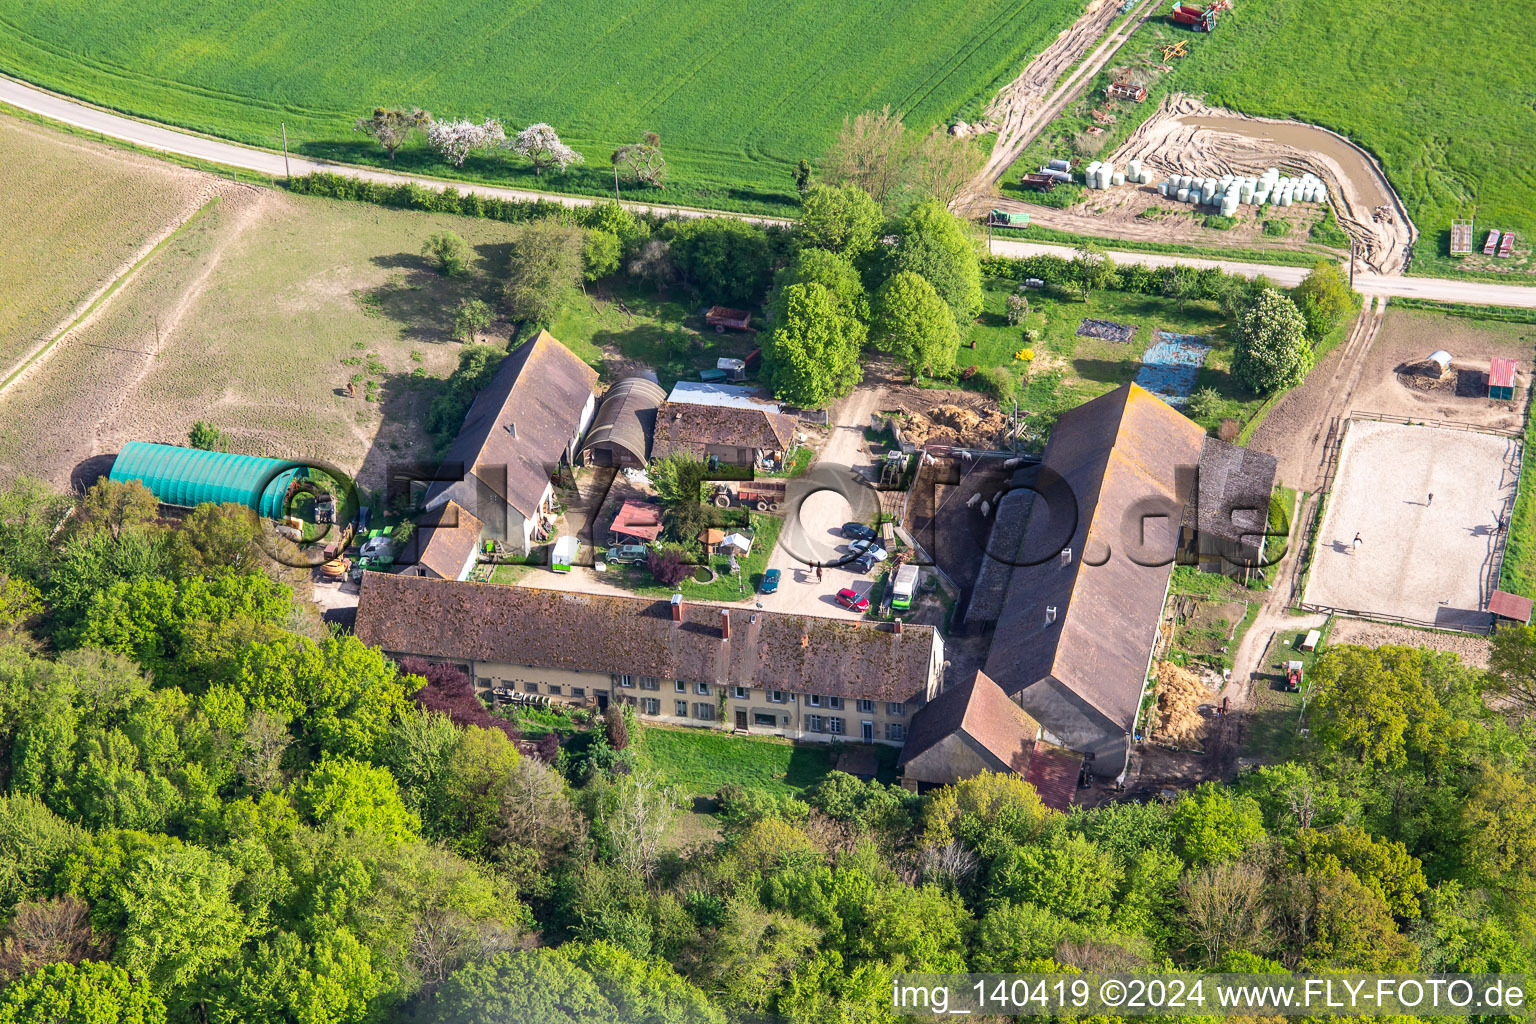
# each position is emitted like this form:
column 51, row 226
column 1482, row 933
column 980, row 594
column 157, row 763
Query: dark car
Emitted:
column 770, row 582
column 864, row 563
column 849, row 598
column 858, row 531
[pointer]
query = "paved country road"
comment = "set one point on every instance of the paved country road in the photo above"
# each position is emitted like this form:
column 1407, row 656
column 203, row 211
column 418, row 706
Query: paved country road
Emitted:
column 264, row 162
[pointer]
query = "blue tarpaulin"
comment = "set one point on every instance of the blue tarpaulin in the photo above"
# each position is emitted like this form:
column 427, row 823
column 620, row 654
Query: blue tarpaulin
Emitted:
column 1171, row 365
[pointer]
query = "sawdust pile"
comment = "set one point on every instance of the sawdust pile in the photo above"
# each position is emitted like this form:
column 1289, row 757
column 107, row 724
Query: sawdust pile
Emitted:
column 1179, row 696
column 953, row 424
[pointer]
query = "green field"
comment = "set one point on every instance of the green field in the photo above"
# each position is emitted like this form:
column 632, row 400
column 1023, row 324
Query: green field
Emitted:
column 1441, row 98
column 739, row 92
column 702, row 760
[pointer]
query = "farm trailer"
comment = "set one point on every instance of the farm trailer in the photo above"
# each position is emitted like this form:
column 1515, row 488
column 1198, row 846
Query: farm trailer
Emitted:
column 763, row 495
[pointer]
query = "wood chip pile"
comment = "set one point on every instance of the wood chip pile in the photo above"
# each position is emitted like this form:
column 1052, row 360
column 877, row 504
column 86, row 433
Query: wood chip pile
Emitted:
column 1179, row 696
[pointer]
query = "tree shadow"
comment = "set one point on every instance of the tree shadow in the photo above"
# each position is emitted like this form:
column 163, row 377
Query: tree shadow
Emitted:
column 401, row 400
column 419, row 298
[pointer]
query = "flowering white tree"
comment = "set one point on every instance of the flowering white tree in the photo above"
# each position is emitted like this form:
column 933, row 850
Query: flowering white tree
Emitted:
column 455, row 140
column 543, row 148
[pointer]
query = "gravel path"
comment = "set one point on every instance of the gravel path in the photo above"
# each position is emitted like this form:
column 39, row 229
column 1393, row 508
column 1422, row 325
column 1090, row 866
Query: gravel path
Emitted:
column 1471, row 649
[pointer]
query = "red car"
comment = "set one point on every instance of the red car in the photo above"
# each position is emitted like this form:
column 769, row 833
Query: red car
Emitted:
column 849, row 598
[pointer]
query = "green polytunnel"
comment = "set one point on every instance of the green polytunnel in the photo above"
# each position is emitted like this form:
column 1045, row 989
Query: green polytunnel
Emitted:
column 190, row 476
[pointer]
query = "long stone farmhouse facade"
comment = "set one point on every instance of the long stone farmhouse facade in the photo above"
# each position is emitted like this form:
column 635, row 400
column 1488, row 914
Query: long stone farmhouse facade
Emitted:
column 738, row 669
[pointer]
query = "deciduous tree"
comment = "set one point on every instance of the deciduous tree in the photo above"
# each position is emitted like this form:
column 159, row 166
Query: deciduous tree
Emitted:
column 1270, row 350
column 455, row 140
column 1324, row 299
column 540, row 146
column 935, row 244
column 842, row 218
column 646, row 164
column 812, row 355
column 871, row 152
column 448, row 251
column 545, row 265
column 393, row 128
column 912, row 323
column 87, row 993
column 472, row 317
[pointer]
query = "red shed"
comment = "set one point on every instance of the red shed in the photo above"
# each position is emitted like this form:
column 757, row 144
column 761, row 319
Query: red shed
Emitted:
column 1510, row 607
column 1501, row 379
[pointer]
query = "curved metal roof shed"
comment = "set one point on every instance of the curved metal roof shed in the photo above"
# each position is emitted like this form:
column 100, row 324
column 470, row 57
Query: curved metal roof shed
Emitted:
column 625, row 424
column 187, row 477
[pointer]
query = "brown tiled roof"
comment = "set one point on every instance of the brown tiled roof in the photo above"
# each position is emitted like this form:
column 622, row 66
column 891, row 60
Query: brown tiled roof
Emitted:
column 1510, row 606
column 445, row 538
column 981, row 711
column 637, row 519
column 522, row 420
column 627, row 417
column 1129, row 460
column 1233, row 490
column 686, row 427
column 1053, row 772
column 604, row 633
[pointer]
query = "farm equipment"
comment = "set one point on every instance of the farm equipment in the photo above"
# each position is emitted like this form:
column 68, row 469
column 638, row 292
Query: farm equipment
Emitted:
column 1178, row 49
column 763, row 495
column 1492, row 245
column 1013, row 219
column 1461, row 237
column 1293, row 677
column 1197, row 19
column 1127, row 89
column 1507, row 246
column 721, row 317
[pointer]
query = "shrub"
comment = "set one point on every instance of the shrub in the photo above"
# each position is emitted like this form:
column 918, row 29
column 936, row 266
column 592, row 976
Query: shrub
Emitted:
column 1277, row 228
column 208, row 437
column 448, row 251
column 1203, row 403
column 615, row 727
column 449, row 691
column 998, row 382
column 1018, row 309
column 668, row 566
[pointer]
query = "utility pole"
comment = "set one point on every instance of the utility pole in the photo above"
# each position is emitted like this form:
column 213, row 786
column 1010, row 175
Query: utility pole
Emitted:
column 615, row 182
column 286, row 173
column 1351, row 264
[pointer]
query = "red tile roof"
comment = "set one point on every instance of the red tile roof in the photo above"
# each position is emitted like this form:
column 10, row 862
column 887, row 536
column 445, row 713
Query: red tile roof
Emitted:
column 1510, row 606
column 638, row 519
column 1502, row 374
column 1053, row 772
column 446, row 538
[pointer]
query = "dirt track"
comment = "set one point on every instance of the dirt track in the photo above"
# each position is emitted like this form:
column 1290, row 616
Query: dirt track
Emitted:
column 1187, row 137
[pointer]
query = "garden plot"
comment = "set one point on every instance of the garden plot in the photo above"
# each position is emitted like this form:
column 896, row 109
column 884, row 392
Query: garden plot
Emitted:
column 1171, row 365
column 1422, row 559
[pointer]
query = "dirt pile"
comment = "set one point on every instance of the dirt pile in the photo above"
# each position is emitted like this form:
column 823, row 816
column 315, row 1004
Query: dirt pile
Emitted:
column 956, row 425
column 1179, row 696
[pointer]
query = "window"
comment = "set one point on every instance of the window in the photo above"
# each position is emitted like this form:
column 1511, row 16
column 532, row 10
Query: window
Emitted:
column 835, row 703
column 650, row 683
column 813, row 699
column 682, row 708
column 704, row 712
column 866, row 706
column 776, row 696
column 554, row 688
column 650, row 705
column 895, row 731
column 765, row 720
column 484, row 684
column 624, row 681
column 679, row 686
column 702, row 689
column 815, row 723
column 895, row 708
column 530, row 687
column 578, row 691
column 835, row 726
column 742, row 693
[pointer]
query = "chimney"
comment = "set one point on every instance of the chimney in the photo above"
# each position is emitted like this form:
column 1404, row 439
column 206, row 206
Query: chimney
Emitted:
column 1066, row 556
column 725, row 623
column 1050, row 614
column 677, row 607
column 896, row 626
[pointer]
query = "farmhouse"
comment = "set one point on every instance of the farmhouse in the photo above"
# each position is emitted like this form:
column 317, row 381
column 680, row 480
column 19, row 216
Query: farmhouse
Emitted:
column 975, row 728
column 444, row 543
column 625, row 424
column 1075, row 633
column 726, row 422
column 522, row 428
column 1224, row 526
column 799, row 676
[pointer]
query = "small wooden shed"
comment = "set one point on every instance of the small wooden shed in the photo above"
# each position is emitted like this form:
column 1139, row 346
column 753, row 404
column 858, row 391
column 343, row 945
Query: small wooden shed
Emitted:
column 1501, row 380
column 1509, row 609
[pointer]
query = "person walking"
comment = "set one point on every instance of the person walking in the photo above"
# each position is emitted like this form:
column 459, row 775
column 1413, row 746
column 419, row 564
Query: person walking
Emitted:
column 1431, row 500
column 818, row 574
column 1356, row 545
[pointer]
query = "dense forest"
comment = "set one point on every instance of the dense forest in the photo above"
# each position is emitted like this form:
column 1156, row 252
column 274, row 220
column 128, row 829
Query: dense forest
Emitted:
column 216, row 809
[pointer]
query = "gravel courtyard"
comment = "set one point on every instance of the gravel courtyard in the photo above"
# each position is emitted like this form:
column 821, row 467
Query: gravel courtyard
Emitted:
column 1418, row 559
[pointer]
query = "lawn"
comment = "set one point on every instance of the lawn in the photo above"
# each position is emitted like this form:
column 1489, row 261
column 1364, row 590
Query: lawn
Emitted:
column 76, row 216
column 1068, row 369
column 1411, row 81
column 1274, row 714
column 726, row 586
column 738, row 93
column 700, row 761
column 619, row 330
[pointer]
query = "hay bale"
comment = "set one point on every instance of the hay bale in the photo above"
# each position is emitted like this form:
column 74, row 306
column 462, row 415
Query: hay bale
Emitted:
column 1179, row 696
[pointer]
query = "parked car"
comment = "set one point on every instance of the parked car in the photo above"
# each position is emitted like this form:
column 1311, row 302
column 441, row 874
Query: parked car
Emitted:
column 850, row 598
column 864, row 563
column 770, row 582
column 870, row 548
column 628, row 553
column 858, row 531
